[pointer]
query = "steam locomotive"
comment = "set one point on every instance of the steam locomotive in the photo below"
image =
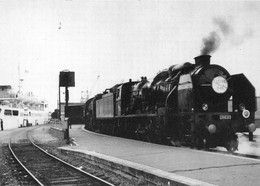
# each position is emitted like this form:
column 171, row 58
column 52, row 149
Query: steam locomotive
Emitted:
column 200, row 105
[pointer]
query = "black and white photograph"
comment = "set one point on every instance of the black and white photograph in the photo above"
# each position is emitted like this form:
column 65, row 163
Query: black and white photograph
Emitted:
column 130, row 92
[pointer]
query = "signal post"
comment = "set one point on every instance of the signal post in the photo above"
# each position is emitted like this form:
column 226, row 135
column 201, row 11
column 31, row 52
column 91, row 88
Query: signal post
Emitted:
column 66, row 79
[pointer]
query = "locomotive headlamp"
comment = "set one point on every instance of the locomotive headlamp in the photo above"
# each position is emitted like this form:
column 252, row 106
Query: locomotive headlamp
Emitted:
column 212, row 128
column 205, row 107
column 246, row 113
column 242, row 106
column 251, row 127
column 219, row 84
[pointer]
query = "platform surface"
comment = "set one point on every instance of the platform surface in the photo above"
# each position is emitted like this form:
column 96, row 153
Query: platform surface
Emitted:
column 214, row 168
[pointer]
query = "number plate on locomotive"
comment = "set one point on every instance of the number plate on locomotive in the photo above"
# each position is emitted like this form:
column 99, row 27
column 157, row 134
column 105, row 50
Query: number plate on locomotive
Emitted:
column 225, row 117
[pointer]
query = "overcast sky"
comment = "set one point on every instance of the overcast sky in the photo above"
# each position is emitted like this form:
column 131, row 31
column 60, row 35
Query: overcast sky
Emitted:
column 118, row 40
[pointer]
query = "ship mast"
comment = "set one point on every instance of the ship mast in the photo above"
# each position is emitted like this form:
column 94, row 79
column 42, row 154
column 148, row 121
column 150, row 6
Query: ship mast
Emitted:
column 19, row 80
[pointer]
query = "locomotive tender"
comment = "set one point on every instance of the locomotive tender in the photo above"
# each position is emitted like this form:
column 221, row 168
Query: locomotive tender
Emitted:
column 200, row 105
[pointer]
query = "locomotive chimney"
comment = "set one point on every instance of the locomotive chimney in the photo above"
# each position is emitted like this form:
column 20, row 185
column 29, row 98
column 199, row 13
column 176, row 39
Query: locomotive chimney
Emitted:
column 202, row 60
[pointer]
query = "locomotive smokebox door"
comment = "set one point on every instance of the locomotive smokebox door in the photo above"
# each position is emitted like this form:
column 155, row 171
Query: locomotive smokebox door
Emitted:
column 67, row 79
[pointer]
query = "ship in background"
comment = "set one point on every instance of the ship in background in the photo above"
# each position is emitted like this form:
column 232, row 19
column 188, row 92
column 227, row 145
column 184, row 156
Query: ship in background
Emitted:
column 21, row 109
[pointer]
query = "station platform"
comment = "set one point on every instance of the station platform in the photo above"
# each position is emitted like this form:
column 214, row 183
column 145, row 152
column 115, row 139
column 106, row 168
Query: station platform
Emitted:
column 164, row 165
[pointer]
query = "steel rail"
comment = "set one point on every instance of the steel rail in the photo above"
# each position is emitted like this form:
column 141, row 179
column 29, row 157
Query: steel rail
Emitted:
column 56, row 158
column 75, row 168
column 22, row 165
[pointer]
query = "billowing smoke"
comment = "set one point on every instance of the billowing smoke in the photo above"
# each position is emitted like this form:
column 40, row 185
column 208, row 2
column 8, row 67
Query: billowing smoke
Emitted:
column 212, row 42
column 225, row 30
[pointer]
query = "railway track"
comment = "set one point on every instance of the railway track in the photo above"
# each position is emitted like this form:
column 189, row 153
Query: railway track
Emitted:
column 43, row 168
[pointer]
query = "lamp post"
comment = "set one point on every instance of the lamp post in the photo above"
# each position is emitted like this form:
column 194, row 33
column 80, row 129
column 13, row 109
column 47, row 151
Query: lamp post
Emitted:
column 66, row 79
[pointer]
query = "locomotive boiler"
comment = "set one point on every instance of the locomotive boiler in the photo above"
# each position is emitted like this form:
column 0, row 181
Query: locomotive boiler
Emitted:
column 200, row 105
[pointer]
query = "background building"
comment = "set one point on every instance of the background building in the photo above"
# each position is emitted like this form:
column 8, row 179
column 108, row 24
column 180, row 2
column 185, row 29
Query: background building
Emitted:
column 62, row 108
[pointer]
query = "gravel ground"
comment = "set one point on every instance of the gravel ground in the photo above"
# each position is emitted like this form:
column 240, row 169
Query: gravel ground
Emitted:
column 115, row 178
column 6, row 175
column 9, row 175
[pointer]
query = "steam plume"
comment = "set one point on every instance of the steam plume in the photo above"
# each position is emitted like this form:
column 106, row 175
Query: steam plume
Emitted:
column 210, row 43
column 224, row 27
